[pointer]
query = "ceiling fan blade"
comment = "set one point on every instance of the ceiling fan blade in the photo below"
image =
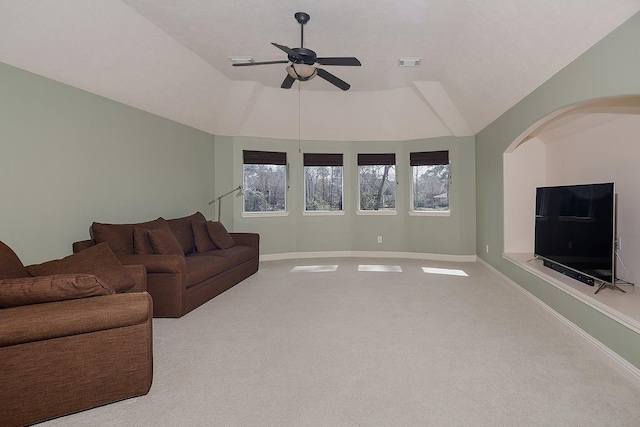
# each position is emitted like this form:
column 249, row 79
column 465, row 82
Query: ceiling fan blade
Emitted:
column 333, row 79
column 288, row 82
column 287, row 50
column 344, row 60
column 247, row 64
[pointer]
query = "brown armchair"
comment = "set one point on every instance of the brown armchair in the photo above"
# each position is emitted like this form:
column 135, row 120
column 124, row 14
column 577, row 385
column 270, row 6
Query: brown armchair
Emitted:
column 74, row 352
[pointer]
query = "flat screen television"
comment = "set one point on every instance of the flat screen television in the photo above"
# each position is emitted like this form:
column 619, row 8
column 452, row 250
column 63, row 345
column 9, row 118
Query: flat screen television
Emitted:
column 575, row 230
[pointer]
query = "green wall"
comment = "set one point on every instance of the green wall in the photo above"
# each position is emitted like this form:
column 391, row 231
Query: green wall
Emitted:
column 610, row 68
column 453, row 235
column 69, row 158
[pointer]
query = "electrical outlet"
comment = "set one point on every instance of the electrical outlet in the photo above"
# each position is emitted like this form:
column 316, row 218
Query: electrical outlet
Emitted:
column 486, row 248
column 379, row 239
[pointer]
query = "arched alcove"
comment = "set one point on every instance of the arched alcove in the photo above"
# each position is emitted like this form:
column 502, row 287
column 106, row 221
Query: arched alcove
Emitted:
column 591, row 142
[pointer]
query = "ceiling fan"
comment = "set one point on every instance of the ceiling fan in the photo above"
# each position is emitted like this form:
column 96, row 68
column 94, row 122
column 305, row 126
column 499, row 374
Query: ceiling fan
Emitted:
column 303, row 61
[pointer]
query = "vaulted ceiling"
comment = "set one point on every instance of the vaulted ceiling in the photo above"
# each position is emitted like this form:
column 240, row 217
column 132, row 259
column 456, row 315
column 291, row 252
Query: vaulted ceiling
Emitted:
column 171, row 58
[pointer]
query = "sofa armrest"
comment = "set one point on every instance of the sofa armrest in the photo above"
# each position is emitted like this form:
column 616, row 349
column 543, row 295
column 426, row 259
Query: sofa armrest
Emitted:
column 138, row 273
column 37, row 322
column 247, row 239
column 175, row 264
column 82, row 245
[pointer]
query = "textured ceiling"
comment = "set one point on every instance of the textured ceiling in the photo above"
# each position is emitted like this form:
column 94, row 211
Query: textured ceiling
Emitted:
column 170, row 57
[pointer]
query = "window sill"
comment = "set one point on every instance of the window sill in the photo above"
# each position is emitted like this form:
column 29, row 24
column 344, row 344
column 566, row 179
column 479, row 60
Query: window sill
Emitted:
column 374, row 213
column 322, row 213
column 264, row 214
column 430, row 213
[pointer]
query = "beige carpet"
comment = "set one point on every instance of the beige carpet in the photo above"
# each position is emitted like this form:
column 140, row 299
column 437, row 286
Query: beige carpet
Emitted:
column 372, row 348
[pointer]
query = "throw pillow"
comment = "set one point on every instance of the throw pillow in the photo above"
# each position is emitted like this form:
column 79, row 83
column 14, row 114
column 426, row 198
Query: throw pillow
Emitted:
column 181, row 228
column 164, row 242
column 10, row 264
column 141, row 243
column 37, row 290
column 219, row 235
column 201, row 236
column 98, row 260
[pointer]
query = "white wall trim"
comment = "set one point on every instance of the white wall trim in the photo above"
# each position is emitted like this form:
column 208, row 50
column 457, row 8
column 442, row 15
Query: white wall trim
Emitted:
column 613, row 359
column 368, row 254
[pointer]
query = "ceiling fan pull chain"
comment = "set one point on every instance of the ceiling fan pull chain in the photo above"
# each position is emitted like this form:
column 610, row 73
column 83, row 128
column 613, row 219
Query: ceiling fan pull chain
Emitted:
column 299, row 120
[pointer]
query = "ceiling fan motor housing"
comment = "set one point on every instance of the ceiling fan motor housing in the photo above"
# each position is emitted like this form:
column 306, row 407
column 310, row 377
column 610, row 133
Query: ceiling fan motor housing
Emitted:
column 305, row 56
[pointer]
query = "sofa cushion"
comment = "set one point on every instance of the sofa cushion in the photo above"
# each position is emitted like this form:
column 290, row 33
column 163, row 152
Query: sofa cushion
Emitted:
column 236, row 254
column 201, row 268
column 60, row 287
column 201, row 236
column 181, row 227
column 98, row 260
column 120, row 236
column 10, row 264
column 219, row 235
column 164, row 242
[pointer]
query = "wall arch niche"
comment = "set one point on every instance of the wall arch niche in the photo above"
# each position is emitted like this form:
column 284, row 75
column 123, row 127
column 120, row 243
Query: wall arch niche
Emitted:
column 589, row 142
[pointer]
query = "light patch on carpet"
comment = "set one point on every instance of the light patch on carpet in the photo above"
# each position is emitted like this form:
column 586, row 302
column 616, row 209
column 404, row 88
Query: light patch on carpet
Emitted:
column 313, row 268
column 445, row 271
column 380, row 268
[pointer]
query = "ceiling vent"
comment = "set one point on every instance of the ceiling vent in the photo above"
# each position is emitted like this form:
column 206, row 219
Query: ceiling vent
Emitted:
column 241, row 60
column 409, row 62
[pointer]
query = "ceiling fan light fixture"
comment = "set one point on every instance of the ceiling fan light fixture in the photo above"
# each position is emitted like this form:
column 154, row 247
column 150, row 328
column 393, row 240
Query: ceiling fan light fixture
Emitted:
column 302, row 72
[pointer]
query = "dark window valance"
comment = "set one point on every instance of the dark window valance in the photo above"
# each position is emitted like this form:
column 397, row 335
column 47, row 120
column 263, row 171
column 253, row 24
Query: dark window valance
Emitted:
column 429, row 158
column 376, row 159
column 264, row 157
column 322, row 159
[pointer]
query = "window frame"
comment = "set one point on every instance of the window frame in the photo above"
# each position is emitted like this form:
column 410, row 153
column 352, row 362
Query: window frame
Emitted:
column 377, row 159
column 272, row 158
column 429, row 158
column 322, row 160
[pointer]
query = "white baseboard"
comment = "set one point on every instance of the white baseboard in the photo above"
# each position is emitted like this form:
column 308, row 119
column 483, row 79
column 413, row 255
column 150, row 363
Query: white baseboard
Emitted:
column 368, row 254
column 611, row 358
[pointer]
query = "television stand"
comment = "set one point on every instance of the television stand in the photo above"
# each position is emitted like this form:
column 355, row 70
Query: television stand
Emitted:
column 612, row 285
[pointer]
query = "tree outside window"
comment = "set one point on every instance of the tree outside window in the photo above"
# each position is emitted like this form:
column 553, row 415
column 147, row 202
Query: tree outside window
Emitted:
column 430, row 181
column 323, row 182
column 264, row 181
column 377, row 175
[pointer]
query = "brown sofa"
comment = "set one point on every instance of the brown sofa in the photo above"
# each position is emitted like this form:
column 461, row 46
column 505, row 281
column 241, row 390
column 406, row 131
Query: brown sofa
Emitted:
column 188, row 260
column 69, row 342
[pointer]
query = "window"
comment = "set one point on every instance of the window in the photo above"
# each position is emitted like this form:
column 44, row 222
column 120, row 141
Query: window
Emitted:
column 430, row 178
column 377, row 182
column 322, row 182
column 264, row 181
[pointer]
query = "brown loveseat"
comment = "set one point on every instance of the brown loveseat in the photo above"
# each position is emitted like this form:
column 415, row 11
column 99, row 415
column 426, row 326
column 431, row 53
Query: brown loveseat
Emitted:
column 68, row 341
column 188, row 260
